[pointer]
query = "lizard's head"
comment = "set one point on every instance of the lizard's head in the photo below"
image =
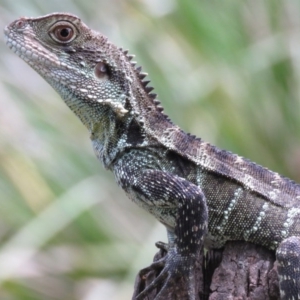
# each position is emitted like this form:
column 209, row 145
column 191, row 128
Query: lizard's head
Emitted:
column 86, row 69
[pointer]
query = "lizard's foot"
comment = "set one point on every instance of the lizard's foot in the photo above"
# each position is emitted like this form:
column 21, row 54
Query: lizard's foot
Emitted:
column 288, row 257
column 176, row 279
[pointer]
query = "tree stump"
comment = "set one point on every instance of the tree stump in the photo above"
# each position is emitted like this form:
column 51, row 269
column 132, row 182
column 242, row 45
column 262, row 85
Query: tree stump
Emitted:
column 240, row 271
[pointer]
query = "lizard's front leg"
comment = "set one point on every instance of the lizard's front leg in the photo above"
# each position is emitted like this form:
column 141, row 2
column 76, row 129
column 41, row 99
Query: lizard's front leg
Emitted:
column 162, row 190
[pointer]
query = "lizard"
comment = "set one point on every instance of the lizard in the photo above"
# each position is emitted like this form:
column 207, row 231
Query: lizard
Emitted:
column 203, row 195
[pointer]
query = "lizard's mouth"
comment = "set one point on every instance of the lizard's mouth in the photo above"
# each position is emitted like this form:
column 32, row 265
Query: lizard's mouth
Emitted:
column 20, row 40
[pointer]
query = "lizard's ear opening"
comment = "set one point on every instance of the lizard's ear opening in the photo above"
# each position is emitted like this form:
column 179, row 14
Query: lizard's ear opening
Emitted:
column 102, row 70
column 63, row 32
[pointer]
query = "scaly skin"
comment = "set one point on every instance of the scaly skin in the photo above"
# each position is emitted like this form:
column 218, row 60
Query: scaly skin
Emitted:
column 200, row 193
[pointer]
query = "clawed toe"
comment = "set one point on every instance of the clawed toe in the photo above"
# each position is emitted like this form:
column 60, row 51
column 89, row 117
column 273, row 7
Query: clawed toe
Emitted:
column 155, row 266
column 156, row 283
column 162, row 246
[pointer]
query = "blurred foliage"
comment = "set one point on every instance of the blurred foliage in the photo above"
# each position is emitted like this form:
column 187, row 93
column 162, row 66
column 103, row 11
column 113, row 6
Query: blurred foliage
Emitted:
column 228, row 71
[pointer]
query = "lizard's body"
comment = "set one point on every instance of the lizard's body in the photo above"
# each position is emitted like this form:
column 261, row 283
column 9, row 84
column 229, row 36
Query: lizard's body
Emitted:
column 200, row 193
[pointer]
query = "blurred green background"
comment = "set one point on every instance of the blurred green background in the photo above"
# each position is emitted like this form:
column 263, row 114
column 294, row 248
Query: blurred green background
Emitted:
column 228, row 71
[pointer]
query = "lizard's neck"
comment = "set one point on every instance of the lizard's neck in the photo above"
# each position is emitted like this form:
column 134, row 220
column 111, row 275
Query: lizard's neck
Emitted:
column 104, row 135
column 101, row 122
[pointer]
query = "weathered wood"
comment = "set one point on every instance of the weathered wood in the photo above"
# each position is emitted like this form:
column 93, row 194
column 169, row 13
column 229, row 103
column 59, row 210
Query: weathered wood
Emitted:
column 239, row 271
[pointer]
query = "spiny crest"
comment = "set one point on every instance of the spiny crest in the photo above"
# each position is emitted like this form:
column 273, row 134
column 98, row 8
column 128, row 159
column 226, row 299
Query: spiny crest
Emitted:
column 142, row 76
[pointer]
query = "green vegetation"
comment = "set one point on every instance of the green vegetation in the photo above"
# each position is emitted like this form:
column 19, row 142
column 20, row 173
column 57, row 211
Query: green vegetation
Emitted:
column 228, row 71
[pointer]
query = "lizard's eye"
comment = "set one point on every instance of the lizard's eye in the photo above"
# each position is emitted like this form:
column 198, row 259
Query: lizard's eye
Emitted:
column 62, row 32
column 101, row 70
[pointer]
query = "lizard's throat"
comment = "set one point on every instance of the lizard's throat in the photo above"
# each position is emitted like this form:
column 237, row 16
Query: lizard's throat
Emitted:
column 100, row 121
column 88, row 114
column 104, row 137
